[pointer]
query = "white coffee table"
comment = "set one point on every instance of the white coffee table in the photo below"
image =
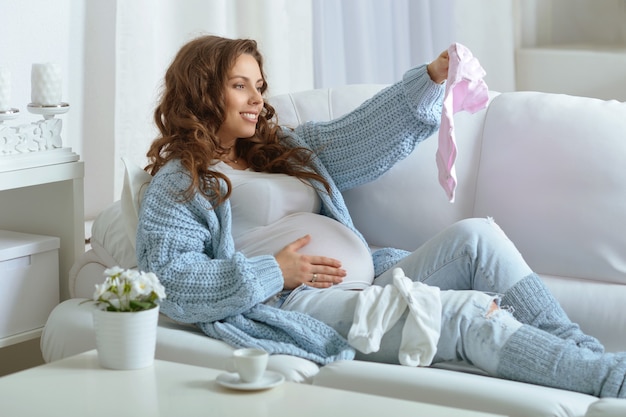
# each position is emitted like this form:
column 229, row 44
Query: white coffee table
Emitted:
column 78, row 386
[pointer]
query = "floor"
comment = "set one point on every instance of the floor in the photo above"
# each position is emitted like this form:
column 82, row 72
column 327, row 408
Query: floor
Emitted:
column 20, row 356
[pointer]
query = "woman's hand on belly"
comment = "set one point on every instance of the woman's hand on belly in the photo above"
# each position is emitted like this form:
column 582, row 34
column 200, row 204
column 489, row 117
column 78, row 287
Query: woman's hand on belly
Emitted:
column 316, row 271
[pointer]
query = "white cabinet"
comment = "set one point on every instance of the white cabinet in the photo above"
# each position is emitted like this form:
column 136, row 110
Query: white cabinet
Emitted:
column 45, row 199
column 29, row 278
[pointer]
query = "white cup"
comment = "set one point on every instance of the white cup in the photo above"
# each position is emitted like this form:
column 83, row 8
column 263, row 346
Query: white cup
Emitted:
column 250, row 363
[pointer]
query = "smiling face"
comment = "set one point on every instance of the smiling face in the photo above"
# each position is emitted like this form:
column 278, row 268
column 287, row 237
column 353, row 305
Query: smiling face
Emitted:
column 243, row 99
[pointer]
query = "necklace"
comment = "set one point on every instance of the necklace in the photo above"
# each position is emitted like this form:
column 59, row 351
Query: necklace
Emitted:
column 226, row 158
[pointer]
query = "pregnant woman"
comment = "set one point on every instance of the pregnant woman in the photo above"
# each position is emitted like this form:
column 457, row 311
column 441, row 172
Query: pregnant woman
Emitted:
column 245, row 225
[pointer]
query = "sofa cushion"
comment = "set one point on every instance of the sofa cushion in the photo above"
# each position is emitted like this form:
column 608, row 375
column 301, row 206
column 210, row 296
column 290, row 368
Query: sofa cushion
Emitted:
column 375, row 208
column 453, row 389
column 136, row 181
column 607, row 407
column 552, row 166
column 114, row 229
column 109, row 237
column 406, row 206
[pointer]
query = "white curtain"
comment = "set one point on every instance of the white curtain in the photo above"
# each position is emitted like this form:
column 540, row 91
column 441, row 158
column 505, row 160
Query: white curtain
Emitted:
column 376, row 41
column 306, row 44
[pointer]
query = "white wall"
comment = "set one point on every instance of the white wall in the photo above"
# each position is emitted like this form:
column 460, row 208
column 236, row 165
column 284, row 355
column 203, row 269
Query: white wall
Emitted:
column 98, row 129
column 487, row 28
column 34, row 31
column 575, row 47
column 590, row 23
column 57, row 31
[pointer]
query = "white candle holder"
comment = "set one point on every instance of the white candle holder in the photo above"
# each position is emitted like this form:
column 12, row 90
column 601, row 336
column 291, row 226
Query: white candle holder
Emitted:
column 38, row 136
column 48, row 111
column 9, row 114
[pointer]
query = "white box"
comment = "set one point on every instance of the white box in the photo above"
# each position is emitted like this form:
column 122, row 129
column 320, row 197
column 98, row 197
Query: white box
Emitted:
column 29, row 284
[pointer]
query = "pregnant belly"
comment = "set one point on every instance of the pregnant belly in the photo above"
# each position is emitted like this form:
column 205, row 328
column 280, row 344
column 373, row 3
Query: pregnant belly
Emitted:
column 328, row 238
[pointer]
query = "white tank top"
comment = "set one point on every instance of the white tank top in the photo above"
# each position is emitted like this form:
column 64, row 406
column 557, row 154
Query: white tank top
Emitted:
column 270, row 211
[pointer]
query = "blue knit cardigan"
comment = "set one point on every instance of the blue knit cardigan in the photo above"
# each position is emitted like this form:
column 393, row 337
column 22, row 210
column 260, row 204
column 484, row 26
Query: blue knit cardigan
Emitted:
column 189, row 245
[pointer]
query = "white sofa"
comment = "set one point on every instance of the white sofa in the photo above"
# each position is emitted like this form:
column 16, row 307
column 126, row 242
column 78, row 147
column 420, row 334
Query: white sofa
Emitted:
column 548, row 168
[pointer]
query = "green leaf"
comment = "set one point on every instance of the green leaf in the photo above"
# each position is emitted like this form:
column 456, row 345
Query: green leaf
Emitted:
column 136, row 305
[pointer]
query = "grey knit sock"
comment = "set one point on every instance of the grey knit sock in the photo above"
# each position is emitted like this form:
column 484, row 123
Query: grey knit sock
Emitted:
column 534, row 356
column 534, row 304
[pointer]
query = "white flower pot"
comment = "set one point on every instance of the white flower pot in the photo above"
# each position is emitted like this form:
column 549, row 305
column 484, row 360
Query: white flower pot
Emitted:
column 126, row 340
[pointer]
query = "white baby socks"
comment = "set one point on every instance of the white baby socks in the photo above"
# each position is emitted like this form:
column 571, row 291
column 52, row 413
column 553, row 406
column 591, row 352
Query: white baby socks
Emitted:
column 379, row 308
column 423, row 323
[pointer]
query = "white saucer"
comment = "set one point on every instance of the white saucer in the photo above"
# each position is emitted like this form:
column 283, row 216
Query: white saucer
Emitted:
column 270, row 379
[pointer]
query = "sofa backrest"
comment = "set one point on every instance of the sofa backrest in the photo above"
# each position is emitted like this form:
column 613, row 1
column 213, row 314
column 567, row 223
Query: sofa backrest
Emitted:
column 406, row 206
column 553, row 175
column 322, row 104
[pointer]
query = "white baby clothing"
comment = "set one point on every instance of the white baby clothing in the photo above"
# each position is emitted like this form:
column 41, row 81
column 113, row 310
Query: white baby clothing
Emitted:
column 378, row 309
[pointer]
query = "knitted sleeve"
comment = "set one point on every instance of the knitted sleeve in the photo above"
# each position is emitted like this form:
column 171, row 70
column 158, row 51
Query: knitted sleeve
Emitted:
column 386, row 258
column 363, row 144
column 188, row 245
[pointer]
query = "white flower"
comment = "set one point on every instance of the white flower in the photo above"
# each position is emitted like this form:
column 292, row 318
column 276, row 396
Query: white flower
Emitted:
column 101, row 291
column 116, row 270
column 158, row 289
column 140, row 286
column 129, row 290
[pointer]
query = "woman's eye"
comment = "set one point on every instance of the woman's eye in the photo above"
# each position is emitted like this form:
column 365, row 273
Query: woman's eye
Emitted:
column 241, row 86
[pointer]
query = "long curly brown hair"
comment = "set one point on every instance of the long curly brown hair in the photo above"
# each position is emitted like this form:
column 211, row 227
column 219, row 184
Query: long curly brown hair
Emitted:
column 192, row 109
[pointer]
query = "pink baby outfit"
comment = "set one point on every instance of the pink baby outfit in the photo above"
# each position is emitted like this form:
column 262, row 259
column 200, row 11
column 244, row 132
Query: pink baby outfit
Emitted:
column 465, row 90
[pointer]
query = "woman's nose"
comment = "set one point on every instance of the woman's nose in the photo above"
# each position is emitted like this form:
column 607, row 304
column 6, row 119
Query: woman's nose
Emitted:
column 256, row 97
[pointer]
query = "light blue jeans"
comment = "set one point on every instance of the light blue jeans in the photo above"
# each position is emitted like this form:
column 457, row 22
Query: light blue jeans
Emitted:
column 473, row 254
column 475, row 264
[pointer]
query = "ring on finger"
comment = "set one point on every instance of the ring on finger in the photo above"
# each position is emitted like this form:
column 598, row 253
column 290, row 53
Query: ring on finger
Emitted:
column 314, row 278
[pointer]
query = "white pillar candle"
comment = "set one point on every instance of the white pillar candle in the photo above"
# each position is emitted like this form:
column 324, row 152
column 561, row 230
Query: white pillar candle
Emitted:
column 5, row 89
column 45, row 82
